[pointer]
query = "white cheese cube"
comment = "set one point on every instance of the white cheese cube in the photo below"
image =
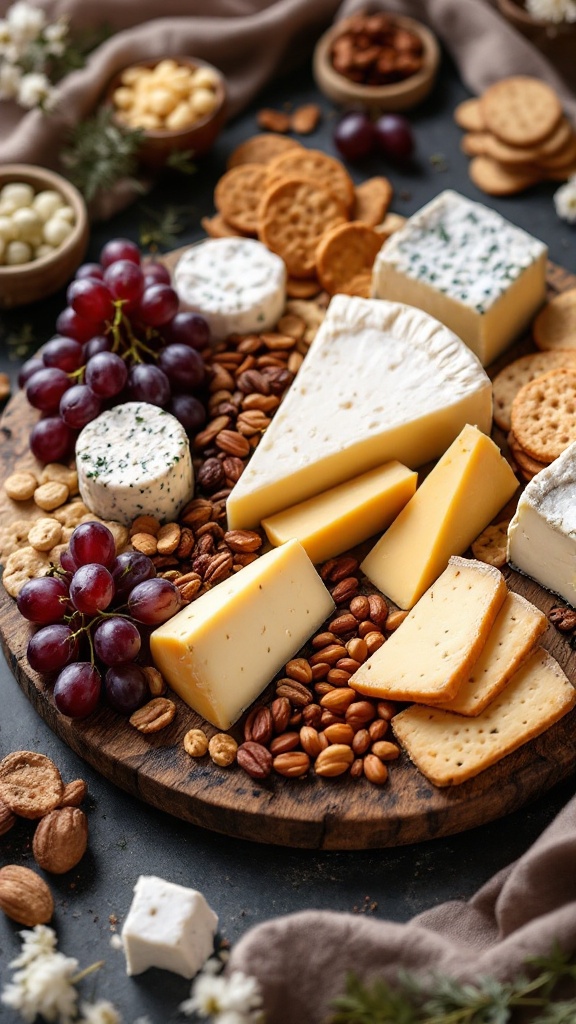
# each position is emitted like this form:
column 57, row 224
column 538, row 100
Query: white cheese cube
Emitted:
column 469, row 267
column 168, row 926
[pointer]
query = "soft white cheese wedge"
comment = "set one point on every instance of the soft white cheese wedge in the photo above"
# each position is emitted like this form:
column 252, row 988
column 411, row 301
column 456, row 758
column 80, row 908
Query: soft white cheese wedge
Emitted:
column 132, row 460
column 469, row 267
column 237, row 284
column 381, row 381
column 168, row 926
column 542, row 534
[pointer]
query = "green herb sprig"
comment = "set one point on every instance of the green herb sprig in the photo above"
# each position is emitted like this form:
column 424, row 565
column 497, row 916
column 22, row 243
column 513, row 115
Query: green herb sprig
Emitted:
column 100, row 153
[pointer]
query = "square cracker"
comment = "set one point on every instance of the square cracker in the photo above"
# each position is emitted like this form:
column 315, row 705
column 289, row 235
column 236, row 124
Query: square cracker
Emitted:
column 449, row 749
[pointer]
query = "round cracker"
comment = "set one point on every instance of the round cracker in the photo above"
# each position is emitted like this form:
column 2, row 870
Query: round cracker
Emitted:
column 490, row 546
column 318, row 167
column 544, row 415
column 302, row 288
column 30, row 783
column 508, row 382
column 469, row 116
column 555, row 326
column 500, row 179
column 217, row 227
column 345, row 257
column 237, row 196
column 521, row 110
column 528, row 466
column 372, row 199
column 260, row 149
column 294, row 215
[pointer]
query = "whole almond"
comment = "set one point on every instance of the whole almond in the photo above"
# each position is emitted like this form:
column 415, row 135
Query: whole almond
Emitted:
column 293, row 764
column 340, row 732
column 378, row 729
column 360, row 607
column 385, row 750
column 74, row 793
column 320, row 670
column 357, row 768
column 345, row 590
column 338, row 677
column 255, row 759
column 7, row 818
column 386, row 709
column 357, row 649
column 374, row 641
column 338, row 700
column 284, row 743
column 312, row 741
column 300, row 670
column 345, row 623
column 395, row 619
column 361, row 741
column 60, row 840
column 374, row 770
column 335, row 760
column 24, row 896
column 359, row 713
column 331, row 653
column 323, row 640
column 378, row 609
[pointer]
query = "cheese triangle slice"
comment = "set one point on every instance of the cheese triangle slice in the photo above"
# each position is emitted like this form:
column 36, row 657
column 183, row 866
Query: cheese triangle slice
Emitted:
column 381, row 381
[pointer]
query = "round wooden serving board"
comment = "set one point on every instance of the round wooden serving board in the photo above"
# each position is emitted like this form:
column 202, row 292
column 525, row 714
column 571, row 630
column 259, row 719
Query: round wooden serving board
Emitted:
column 312, row 812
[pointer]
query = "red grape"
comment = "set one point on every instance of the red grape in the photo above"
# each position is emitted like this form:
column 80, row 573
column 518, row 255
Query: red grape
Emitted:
column 106, row 373
column 43, row 600
column 154, row 601
column 354, row 135
column 126, row 688
column 73, row 326
column 155, row 273
column 148, row 383
column 91, row 299
column 51, row 648
column 188, row 329
column 129, row 569
column 99, row 343
column 77, row 690
column 158, row 304
column 79, row 406
column 45, row 388
column 126, row 281
column 183, row 366
column 64, row 353
column 89, row 270
column 394, row 136
column 119, row 249
column 92, row 542
column 68, row 563
column 28, row 369
column 116, row 641
column 189, row 411
column 51, row 440
column 91, row 589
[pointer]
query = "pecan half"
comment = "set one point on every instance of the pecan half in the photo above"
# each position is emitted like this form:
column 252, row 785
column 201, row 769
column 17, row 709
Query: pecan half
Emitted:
column 154, row 716
column 255, row 759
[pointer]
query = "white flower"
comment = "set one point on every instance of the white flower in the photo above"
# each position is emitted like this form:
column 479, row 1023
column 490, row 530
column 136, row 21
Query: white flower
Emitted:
column 229, row 1000
column 552, row 10
column 100, row 1012
column 55, row 38
column 26, row 22
column 565, row 201
column 10, row 77
column 205, row 996
column 40, row 941
column 4, row 32
column 35, row 90
column 44, row 988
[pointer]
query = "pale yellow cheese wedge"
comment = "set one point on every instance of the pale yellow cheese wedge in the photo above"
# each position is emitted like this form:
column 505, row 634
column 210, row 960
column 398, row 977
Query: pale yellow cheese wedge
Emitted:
column 465, row 490
column 449, row 749
column 221, row 651
column 515, row 632
column 345, row 515
column 434, row 649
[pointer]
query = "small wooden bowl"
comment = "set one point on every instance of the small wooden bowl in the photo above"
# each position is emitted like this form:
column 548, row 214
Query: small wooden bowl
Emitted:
column 397, row 95
column 39, row 278
column 199, row 137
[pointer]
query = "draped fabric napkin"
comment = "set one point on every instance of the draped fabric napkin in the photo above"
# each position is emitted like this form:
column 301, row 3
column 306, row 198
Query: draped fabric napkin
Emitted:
column 301, row 960
column 250, row 41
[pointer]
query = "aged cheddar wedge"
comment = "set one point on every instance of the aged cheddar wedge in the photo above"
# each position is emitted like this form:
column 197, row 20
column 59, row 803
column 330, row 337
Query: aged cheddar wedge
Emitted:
column 221, row 651
column 515, row 632
column 434, row 649
column 449, row 749
column 381, row 381
column 345, row 515
column 542, row 534
column 464, row 491
column 465, row 264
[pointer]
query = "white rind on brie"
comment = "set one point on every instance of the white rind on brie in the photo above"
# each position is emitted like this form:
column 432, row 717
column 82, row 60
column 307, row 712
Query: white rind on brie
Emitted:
column 381, row 381
column 132, row 460
column 542, row 534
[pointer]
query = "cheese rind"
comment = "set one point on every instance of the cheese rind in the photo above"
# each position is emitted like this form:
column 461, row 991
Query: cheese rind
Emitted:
column 132, row 460
column 433, row 650
column 460, row 496
column 221, row 651
column 345, row 515
column 465, row 264
column 236, row 284
column 449, row 749
column 168, row 926
column 542, row 533
column 381, row 381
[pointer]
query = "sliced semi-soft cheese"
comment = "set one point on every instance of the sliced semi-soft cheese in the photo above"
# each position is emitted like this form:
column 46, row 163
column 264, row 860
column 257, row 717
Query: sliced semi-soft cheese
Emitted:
column 449, row 749
column 236, row 284
column 433, row 650
column 381, row 381
column 132, row 460
column 345, row 515
column 516, row 630
column 465, row 264
column 460, row 496
column 542, row 534
column 221, row 651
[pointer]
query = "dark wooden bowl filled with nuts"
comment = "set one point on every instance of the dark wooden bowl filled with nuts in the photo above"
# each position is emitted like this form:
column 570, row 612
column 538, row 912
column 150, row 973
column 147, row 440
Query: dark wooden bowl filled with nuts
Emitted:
column 380, row 61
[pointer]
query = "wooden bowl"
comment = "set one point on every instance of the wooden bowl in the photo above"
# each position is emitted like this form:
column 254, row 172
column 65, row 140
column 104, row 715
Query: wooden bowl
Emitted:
column 31, row 281
column 158, row 144
column 392, row 97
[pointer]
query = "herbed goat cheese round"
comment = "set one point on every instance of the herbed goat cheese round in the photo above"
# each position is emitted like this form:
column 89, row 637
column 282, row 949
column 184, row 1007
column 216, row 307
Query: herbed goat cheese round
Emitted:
column 134, row 460
column 237, row 284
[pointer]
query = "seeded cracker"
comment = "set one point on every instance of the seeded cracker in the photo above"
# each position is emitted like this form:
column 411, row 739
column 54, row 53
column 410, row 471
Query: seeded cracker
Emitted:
column 521, row 110
column 237, row 196
column 555, row 326
column 544, row 415
column 346, row 253
column 508, row 382
column 499, row 179
column 260, row 149
column 468, row 115
column 293, row 217
column 318, row 167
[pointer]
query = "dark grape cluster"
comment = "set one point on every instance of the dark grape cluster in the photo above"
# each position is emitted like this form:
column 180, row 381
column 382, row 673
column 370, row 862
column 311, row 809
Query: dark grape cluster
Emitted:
column 91, row 612
column 121, row 338
column 356, row 136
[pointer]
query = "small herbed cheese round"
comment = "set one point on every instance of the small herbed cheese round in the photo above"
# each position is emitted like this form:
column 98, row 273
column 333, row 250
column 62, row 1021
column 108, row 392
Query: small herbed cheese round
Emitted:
column 133, row 460
column 235, row 283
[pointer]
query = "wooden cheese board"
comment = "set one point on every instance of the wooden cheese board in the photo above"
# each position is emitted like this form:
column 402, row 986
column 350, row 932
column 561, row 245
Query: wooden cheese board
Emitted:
column 312, row 812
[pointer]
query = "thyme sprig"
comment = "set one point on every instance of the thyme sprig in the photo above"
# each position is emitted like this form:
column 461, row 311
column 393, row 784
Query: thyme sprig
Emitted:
column 437, row 999
column 100, row 153
column 161, row 228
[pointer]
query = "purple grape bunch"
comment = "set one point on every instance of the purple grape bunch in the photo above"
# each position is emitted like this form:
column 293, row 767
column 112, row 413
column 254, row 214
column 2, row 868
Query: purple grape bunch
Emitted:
column 91, row 614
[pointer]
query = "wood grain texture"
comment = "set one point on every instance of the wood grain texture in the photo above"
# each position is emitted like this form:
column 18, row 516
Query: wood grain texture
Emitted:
column 311, row 812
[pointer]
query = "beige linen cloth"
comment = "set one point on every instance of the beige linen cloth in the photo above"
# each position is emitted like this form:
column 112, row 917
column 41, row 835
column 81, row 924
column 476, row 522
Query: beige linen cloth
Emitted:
column 302, row 960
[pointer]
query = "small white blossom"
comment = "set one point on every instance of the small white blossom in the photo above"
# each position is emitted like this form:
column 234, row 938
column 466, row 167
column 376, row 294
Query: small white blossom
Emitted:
column 228, row 1000
column 552, row 10
column 100, row 1012
column 44, row 988
column 35, row 91
column 205, row 996
column 26, row 22
column 39, row 941
column 4, row 32
column 565, row 201
column 10, row 78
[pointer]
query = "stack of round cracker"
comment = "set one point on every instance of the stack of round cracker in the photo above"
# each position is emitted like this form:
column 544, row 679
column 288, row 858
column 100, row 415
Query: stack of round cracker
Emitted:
column 535, row 396
column 517, row 135
column 303, row 205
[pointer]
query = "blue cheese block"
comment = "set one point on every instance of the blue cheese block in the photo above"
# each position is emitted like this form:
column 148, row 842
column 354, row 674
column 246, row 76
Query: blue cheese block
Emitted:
column 467, row 266
column 236, row 284
column 134, row 460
